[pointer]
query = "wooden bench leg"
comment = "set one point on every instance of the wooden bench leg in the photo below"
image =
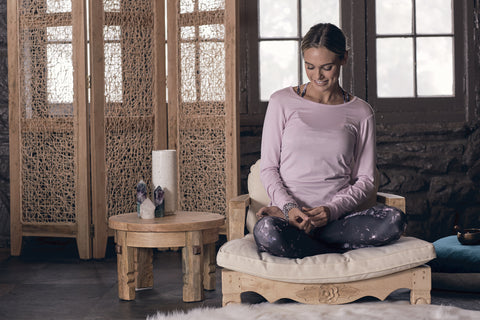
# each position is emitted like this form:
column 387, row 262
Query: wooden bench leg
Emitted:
column 231, row 291
column 192, row 261
column 125, row 267
column 421, row 285
column 16, row 244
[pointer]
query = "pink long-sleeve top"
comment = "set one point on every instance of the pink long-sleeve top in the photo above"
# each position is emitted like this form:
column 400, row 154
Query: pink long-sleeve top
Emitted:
column 316, row 154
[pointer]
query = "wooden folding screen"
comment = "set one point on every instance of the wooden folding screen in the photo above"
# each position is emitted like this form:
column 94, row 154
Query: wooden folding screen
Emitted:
column 48, row 121
column 86, row 110
column 74, row 164
column 128, row 104
column 202, row 104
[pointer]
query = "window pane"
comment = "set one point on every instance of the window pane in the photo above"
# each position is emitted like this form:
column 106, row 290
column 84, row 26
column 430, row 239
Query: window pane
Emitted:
column 212, row 31
column 278, row 66
column 395, row 67
column 112, row 33
column 211, row 5
column 435, row 66
column 277, row 18
column 187, row 6
column 212, row 71
column 434, row 16
column 59, row 73
column 63, row 33
column 393, row 16
column 314, row 11
column 187, row 33
column 113, row 72
column 188, row 92
column 111, row 5
column 56, row 6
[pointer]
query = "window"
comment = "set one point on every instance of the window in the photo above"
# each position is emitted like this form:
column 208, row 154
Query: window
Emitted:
column 47, row 61
column 409, row 59
column 59, row 67
column 414, row 48
column 113, row 63
column 202, row 48
column 282, row 25
column 416, row 66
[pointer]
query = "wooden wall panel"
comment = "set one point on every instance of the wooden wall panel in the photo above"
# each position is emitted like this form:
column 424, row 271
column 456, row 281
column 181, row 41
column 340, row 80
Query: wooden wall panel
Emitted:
column 203, row 100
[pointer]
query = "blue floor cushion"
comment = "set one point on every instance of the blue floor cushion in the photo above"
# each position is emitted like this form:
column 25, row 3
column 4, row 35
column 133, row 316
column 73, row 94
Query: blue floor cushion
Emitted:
column 453, row 257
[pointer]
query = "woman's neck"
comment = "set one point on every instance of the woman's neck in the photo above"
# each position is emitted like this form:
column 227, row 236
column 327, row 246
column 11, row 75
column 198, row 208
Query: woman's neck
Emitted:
column 333, row 97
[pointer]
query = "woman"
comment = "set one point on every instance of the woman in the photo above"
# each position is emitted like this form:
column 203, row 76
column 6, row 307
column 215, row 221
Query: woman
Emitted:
column 318, row 162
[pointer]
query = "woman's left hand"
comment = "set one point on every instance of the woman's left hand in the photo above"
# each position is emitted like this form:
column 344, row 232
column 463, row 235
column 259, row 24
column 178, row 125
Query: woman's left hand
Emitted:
column 319, row 216
column 269, row 211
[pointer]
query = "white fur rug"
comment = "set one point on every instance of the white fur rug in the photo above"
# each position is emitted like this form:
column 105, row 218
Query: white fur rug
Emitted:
column 354, row 311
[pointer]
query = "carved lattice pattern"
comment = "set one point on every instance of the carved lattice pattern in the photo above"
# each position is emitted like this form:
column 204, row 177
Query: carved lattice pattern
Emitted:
column 128, row 48
column 47, row 126
column 47, row 134
column 201, row 112
column 78, row 152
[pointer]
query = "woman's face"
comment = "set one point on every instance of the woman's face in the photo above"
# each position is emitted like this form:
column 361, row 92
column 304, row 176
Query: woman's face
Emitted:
column 323, row 68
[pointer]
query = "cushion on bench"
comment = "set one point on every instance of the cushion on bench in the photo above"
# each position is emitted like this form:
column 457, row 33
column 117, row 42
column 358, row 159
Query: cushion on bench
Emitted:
column 242, row 255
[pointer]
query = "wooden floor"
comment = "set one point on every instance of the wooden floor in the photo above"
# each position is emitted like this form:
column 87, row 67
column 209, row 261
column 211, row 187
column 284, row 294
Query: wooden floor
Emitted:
column 49, row 281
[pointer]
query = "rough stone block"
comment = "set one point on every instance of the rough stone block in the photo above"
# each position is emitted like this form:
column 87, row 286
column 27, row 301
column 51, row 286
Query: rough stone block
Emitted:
column 443, row 218
column 472, row 152
column 474, row 172
column 402, row 181
column 417, row 206
column 3, row 28
column 450, row 190
column 3, row 76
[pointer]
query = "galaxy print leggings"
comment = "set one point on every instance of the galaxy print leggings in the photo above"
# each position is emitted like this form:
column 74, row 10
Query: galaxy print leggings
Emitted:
column 376, row 226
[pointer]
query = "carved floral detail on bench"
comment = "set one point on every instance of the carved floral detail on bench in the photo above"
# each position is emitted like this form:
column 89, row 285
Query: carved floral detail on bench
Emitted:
column 328, row 293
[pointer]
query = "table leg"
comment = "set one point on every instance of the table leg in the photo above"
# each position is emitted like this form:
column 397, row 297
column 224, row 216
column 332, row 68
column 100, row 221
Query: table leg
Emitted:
column 209, row 266
column 125, row 267
column 192, row 262
column 143, row 268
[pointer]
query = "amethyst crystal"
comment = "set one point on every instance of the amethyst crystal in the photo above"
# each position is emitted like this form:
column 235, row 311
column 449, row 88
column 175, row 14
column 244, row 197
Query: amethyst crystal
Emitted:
column 141, row 194
column 158, row 197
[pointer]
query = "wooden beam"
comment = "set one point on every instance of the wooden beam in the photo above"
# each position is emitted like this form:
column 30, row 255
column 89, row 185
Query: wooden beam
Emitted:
column 14, row 116
column 232, row 115
column 97, row 130
column 80, row 103
column 173, row 72
column 160, row 135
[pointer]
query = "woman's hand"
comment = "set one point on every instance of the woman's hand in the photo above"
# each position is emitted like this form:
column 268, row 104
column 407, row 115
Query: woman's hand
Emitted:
column 273, row 211
column 319, row 216
column 300, row 220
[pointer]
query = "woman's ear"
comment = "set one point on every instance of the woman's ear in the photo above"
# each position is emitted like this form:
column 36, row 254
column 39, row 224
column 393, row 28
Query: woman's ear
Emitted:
column 345, row 58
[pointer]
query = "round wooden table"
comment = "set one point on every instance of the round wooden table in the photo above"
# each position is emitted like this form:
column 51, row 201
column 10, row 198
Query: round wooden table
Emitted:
column 195, row 232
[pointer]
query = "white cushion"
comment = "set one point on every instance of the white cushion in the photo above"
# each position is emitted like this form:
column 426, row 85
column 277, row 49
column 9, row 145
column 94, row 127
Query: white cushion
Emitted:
column 408, row 252
column 257, row 193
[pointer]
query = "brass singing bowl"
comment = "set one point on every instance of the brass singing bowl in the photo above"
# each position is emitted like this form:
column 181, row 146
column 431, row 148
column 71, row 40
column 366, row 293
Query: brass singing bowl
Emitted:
column 469, row 236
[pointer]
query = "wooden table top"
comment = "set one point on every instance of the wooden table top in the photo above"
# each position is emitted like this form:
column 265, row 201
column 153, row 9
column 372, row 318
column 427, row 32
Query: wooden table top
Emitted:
column 180, row 221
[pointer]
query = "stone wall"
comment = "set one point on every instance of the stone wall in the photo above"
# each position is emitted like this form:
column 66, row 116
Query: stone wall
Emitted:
column 437, row 169
column 4, row 170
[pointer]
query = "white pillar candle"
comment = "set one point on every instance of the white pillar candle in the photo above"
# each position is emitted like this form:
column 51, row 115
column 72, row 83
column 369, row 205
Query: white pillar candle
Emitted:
column 164, row 174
